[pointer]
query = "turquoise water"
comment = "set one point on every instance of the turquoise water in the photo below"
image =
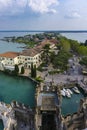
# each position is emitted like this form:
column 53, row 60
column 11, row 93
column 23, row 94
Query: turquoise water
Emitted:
column 1, row 125
column 16, row 88
column 71, row 105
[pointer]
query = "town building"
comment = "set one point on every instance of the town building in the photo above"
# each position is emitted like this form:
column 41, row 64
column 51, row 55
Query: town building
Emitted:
column 26, row 57
column 8, row 60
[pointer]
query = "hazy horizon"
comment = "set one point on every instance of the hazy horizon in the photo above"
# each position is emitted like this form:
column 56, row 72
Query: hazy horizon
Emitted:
column 43, row 30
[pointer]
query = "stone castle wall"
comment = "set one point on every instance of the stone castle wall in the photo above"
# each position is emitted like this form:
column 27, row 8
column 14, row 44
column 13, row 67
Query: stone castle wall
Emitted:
column 79, row 119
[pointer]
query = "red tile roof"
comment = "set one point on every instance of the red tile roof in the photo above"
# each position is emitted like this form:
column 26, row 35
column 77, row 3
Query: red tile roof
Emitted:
column 37, row 49
column 9, row 54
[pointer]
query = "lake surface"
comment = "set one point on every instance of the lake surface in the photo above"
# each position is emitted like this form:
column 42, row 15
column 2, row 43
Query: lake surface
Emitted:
column 81, row 37
column 71, row 105
column 10, row 46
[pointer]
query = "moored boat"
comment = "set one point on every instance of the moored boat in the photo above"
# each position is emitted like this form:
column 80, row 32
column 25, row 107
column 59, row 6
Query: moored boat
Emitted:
column 75, row 89
column 63, row 93
column 70, row 91
column 67, row 93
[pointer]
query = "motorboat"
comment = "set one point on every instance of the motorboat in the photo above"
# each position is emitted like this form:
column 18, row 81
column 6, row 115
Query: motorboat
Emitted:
column 63, row 93
column 75, row 89
column 70, row 91
column 67, row 93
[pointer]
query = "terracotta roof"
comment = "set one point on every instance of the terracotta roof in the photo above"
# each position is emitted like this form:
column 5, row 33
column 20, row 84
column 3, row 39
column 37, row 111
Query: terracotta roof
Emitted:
column 54, row 41
column 37, row 49
column 29, row 52
column 9, row 54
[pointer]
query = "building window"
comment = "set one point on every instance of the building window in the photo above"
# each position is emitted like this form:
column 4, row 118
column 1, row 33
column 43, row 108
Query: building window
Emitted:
column 3, row 58
column 25, row 58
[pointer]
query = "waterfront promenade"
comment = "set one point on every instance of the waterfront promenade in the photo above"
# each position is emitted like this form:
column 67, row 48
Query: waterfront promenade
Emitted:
column 59, row 78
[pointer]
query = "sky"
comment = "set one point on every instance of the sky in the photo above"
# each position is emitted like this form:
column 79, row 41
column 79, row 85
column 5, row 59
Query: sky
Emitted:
column 43, row 14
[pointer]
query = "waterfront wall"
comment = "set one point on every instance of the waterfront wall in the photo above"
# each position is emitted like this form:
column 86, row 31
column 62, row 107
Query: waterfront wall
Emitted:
column 23, row 113
column 7, row 116
column 79, row 119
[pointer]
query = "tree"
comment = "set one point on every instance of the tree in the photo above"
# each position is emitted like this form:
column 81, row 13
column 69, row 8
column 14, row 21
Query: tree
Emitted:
column 65, row 44
column 46, row 48
column 60, row 61
column 85, row 43
column 82, row 50
column 74, row 45
column 16, row 71
column 52, row 55
column 33, row 70
column 22, row 70
column 83, row 61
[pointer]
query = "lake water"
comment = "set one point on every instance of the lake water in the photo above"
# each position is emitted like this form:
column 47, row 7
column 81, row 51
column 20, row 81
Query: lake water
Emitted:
column 71, row 105
column 23, row 90
column 9, row 46
column 81, row 37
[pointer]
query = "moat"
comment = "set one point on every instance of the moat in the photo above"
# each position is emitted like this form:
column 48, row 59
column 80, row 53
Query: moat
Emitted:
column 16, row 88
column 23, row 90
column 71, row 105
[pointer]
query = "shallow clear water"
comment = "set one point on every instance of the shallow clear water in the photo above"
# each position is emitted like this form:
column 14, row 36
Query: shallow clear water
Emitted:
column 71, row 105
column 16, row 88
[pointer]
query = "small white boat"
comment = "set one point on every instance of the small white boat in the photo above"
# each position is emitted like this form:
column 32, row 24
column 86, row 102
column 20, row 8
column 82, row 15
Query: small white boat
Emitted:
column 64, row 89
column 63, row 93
column 70, row 91
column 67, row 93
column 75, row 89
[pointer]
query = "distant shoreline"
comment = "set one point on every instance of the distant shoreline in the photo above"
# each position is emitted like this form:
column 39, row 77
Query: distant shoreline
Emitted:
column 59, row 31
